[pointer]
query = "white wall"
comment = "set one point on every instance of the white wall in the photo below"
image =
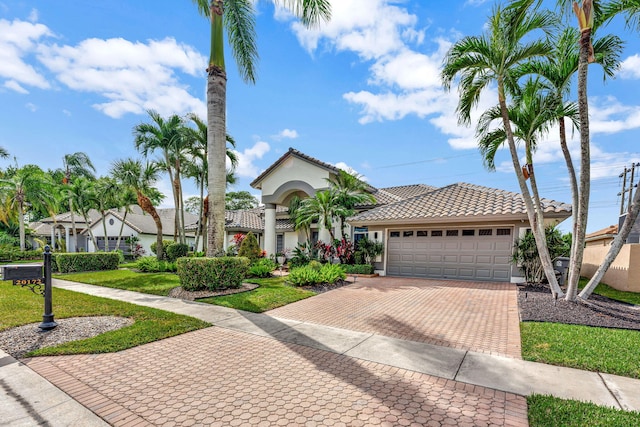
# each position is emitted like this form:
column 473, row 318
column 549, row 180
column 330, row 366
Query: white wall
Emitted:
column 294, row 168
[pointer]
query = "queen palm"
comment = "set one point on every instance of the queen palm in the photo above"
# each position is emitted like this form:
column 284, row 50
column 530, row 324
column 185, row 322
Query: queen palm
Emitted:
column 140, row 178
column 74, row 166
column 27, row 188
column 237, row 18
column 495, row 57
column 559, row 73
column 166, row 135
column 351, row 191
column 321, row 208
column 83, row 195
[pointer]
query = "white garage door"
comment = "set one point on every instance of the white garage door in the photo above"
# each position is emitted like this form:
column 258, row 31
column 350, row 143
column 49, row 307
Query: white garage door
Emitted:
column 454, row 253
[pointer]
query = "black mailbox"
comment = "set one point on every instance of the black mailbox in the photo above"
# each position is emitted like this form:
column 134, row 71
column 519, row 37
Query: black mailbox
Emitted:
column 22, row 272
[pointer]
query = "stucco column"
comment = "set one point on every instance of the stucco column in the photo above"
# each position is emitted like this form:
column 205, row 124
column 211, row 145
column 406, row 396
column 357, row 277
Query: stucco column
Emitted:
column 67, row 239
column 270, row 228
column 53, row 238
column 324, row 236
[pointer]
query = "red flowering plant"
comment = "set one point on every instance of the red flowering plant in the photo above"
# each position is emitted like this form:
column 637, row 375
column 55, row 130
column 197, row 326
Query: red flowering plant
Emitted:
column 345, row 250
column 325, row 251
column 238, row 238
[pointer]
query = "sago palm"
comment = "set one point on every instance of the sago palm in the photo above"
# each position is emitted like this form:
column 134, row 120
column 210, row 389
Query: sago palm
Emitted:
column 237, row 19
column 494, row 58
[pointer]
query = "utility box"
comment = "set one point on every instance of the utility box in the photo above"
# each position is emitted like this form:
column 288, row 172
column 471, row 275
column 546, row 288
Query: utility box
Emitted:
column 22, row 272
column 561, row 266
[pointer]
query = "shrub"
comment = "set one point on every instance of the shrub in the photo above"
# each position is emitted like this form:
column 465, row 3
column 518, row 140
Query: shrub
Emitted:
column 370, row 249
column 262, row 268
column 173, row 251
column 198, row 274
column 316, row 265
column 525, row 254
column 307, row 275
column 12, row 253
column 358, row 268
column 150, row 264
column 165, row 243
column 74, row 262
column 249, row 247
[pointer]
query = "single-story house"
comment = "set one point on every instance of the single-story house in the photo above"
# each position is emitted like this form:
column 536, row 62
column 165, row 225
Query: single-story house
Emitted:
column 602, row 237
column 460, row 231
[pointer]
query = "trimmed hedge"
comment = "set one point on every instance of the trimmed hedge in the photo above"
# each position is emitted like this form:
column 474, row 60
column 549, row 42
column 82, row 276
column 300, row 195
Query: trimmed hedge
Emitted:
column 94, row 261
column 198, row 274
column 11, row 253
column 358, row 268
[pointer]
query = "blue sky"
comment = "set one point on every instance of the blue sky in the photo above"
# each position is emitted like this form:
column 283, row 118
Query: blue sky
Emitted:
column 362, row 91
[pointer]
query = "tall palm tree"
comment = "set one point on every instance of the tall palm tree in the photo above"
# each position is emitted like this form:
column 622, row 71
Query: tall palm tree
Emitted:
column 237, row 18
column 321, row 208
column 351, row 191
column 82, row 192
column 629, row 9
column 495, row 57
column 141, row 178
column 107, row 192
column 26, row 189
column 559, row 73
column 75, row 165
column 168, row 137
column 126, row 198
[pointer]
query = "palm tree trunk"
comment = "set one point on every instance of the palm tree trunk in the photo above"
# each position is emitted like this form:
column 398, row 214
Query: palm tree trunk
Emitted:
column 86, row 221
column 21, row 226
column 124, row 218
column 104, row 230
column 216, row 95
column 200, row 211
column 539, row 236
column 73, row 227
column 146, row 205
column 585, row 159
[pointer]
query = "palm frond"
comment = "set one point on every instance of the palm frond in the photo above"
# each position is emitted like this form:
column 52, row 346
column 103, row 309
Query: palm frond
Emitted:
column 240, row 23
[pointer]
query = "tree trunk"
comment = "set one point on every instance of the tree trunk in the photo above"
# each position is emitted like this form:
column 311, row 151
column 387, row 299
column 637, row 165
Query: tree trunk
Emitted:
column 73, row 227
column 124, row 218
column 585, row 160
column 85, row 215
column 146, row 205
column 21, row 226
column 574, row 268
column 104, row 230
column 200, row 212
column 540, row 238
column 616, row 246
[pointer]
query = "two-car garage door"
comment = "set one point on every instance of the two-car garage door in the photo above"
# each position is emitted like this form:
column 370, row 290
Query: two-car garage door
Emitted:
column 451, row 253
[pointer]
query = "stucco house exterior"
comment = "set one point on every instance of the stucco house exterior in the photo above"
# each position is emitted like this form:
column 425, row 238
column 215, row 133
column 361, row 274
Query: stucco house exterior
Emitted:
column 460, row 231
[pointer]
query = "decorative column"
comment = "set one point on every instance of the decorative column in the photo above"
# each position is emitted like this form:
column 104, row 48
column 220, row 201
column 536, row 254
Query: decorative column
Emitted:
column 324, row 236
column 53, row 237
column 270, row 228
column 68, row 240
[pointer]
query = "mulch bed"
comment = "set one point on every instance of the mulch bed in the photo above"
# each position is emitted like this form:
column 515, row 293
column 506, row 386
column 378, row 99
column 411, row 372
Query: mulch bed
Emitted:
column 194, row 295
column 326, row 287
column 537, row 304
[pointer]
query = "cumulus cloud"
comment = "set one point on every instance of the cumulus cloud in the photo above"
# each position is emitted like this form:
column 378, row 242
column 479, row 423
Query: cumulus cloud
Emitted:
column 345, row 167
column 287, row 134
column 608, row 115
column 131, row 76
column 247, row 157
column 630, row 67
column 18, row 41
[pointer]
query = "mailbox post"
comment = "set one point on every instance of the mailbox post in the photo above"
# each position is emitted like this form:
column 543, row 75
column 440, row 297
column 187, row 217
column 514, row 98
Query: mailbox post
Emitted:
column 47, row 318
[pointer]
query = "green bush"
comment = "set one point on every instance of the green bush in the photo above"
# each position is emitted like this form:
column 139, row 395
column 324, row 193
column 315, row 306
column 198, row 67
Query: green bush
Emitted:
column 262, row 268
column 358, row 268
column 198, row 274
column 94, row 261
column 150, row 264
column 165, row 243
column 173, row 251
column 308, row 275
column 12, row 253
column 316, row 265
column 249, row 247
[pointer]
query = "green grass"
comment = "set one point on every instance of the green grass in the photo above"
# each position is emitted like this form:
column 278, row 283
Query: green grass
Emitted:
column 613, row 351
column 272, row 293
column 547, row 411
column 19, row 306
column 609, row 292
column 148, row 283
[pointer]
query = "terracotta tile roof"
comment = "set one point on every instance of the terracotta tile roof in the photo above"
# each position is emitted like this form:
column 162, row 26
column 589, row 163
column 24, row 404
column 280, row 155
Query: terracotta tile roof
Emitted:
column 458, row 201
column 292, row 152
column 407, row 191
column 253, row 220
column 605, row 232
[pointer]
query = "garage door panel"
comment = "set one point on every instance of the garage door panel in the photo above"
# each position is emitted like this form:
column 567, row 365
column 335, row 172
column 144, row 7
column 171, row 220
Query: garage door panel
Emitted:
column 465, row 257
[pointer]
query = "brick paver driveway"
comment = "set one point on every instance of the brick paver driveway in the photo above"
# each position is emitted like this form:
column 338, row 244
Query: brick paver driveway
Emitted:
column 221, row 377
column 476, row 316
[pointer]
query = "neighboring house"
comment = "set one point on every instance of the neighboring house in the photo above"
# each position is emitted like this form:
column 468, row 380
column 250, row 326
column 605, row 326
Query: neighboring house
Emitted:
column 461, row 231
column 136, row 224
column 602, row 237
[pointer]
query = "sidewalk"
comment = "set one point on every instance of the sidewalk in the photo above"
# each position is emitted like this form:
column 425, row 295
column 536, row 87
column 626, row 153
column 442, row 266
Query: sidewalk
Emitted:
column 478, row 369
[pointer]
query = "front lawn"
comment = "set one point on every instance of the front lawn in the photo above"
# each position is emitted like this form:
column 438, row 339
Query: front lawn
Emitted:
column 19, row 306
column 547, row 411
column 613, row 351
column 271, row 294
column 609, row 292
column 148, row 283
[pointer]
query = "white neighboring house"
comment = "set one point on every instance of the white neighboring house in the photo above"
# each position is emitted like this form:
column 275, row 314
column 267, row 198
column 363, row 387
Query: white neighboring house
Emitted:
column 136, row 223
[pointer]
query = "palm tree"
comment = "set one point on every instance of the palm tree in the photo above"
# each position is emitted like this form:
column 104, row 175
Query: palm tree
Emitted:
column 351, row 191
column 82, row 192
column 126, row 198
column 4, row 154
column 140, row 178
column 629, row 9
column 321, row 208
column 27, row 188
column 237, row 17
column 107, row 192
column 74, row 165
column 167, row 136
column 559, row 73
column 495, row 57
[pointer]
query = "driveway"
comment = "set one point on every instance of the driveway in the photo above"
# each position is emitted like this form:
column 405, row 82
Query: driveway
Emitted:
column 478, row 316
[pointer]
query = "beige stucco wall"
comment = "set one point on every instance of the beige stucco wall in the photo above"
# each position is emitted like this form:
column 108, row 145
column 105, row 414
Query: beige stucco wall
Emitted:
column 624, row 273
column 294, row 168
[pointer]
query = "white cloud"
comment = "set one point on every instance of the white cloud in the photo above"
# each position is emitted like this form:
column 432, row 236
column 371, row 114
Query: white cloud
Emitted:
column 18, row 40
column 345, row 167
column 630, row 67
column 133, row 77
column 287, row 133
column 33, row 15
column 608, row 115
column 31, row 107
column 14, row 85
column 246, row 159
column 66, row 112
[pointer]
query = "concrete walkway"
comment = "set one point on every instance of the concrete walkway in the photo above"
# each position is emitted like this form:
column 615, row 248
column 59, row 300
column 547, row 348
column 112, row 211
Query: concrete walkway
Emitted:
column 481, row 372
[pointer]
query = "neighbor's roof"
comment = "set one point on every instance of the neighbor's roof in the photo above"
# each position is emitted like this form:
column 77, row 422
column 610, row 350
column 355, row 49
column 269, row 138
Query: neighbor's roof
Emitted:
column 609, row 232
column 253, row 220
column 143, row 223
column 65, row 217
column 292, row 152
column 459, row 200
column 40, row 228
